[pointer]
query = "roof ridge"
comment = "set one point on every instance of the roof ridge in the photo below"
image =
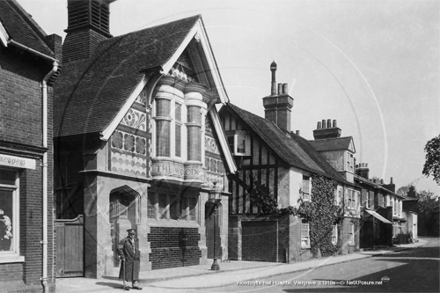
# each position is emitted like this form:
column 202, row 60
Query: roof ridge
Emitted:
column 197, row 16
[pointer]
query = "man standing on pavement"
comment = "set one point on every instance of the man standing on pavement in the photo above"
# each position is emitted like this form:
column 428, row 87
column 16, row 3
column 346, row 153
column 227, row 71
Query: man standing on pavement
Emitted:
column 128, row 251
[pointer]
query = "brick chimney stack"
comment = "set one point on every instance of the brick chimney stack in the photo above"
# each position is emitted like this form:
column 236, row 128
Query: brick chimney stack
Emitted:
column 362, row 170
column 277, row 106
column 88, row 24
column 326, row 130
column 390, row 186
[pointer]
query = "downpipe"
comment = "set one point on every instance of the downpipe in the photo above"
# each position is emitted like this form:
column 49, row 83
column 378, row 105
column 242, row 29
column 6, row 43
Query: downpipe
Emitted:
column 45, row 179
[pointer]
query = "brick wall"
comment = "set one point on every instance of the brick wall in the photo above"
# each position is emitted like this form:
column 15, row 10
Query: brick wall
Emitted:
column 169, row 249
column 20, row 103
column 21, row 132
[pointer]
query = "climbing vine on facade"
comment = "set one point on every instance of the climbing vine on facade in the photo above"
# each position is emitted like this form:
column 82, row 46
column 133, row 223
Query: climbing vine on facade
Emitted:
column 321, row 212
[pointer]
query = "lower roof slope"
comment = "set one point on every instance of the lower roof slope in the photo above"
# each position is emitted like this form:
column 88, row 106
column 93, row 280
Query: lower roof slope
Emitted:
column 293, row 149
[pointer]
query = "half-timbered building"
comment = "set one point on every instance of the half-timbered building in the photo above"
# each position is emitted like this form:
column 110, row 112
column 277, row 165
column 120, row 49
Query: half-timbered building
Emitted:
column 271, row 157
column 138, row 143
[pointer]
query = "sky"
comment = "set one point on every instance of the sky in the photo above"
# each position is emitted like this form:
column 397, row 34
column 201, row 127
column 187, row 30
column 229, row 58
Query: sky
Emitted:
column 374, row 66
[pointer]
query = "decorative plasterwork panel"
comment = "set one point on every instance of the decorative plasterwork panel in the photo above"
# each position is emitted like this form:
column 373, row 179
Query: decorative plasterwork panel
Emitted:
column 128, row 164
column 129, row 143
column 211, row 145
column 128, row 153
column 142, row 98
column 135, row 119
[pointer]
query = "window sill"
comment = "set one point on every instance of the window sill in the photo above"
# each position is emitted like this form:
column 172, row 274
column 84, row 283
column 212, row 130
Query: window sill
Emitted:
column 11, row 258
column 172, row 223
column 305, row 247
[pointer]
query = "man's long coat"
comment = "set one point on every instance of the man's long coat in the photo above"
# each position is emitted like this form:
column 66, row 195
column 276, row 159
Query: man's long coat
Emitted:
column 132, row 259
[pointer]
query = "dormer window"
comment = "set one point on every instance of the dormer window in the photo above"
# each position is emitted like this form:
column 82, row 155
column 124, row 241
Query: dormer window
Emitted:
column 240, row 143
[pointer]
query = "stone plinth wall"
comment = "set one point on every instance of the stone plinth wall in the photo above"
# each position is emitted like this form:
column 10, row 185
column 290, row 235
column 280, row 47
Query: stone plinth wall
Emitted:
column 174, row 247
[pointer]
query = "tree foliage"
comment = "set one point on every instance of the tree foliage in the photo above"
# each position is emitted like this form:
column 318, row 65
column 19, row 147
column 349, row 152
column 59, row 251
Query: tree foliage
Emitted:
column 432, row 159
column 427, row 209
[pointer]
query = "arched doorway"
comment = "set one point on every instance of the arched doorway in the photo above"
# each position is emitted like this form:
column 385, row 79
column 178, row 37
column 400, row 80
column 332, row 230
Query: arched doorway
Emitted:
column 124, row 214
column 212, row 224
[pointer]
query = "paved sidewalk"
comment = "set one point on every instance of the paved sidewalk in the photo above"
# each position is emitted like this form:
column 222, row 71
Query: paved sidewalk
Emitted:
column 199, row 277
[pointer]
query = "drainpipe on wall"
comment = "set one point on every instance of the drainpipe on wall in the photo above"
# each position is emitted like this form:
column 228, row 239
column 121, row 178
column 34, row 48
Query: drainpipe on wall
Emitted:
column 44, row 106
column 44, row 242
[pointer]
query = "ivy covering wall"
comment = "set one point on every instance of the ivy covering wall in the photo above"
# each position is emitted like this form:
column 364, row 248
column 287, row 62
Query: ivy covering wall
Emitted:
column 321, row 211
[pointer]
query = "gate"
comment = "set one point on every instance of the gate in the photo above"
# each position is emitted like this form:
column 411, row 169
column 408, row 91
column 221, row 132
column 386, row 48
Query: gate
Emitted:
column 70, row 247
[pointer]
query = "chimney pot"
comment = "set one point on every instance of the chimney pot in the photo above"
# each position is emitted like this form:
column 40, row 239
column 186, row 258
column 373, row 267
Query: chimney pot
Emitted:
column 319, row 125
column 273, row 68
column 285, row 88
column 329, row 123
column 297, row 132
column 324, row 124
column 334, row 123
column 280, row 88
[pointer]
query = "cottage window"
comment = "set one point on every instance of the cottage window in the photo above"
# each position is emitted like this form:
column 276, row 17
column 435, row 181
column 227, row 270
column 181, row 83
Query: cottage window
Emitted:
column 239, row 143
column 9, row 215
column 305, row 234
column 381, row 200
column 306, row 188
column 335, row 234
column 371, row 199
column 351, row 234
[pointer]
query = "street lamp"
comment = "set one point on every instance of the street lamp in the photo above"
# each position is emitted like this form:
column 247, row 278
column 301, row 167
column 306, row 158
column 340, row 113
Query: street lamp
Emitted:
column 214, row 198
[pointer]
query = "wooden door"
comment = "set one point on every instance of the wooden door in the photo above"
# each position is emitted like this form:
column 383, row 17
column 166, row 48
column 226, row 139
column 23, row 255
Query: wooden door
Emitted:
column 259, row 241
column 212, row 231
column 70, row 247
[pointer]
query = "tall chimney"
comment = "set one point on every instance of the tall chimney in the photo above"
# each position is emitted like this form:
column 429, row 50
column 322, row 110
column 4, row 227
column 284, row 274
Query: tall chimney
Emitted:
column 88, row 25
column 273, row 89
column 277, row 106
column 326, row 130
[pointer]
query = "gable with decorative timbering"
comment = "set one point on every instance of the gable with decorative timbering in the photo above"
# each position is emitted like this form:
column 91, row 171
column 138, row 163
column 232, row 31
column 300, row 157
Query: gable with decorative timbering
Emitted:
column 129, row 143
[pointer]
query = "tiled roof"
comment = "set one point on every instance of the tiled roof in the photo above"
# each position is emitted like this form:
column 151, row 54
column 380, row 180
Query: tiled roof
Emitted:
column 332, row 144
column 22, row 28
column 90, row 94
column 293, row 149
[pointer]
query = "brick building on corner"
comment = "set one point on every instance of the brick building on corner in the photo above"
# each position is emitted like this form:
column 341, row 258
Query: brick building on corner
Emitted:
column 28, row 67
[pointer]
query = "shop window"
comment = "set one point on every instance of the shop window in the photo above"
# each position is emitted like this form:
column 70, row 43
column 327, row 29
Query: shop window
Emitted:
column 305, row 234
column 152, row 206
column 9, row 214
column 172, row 207
column 163, row 206
column 188, row 211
